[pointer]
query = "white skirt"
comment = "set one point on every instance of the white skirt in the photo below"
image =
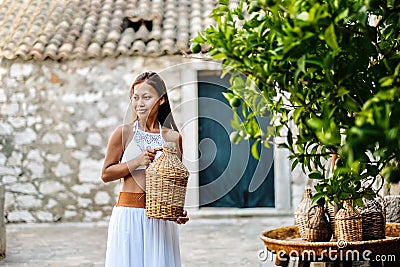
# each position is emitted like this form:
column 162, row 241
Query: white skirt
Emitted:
column 134, row 240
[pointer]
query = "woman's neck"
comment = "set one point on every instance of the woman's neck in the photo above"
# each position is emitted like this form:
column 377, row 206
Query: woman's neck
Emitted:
column 149, row 125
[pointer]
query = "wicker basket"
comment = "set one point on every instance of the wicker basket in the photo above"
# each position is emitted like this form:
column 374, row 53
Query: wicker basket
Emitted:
column 166, row 182
column 286, row 240
column 373, row 220
column 301, row 213
column 318, row 227
column 331, row 210
column 348, row 224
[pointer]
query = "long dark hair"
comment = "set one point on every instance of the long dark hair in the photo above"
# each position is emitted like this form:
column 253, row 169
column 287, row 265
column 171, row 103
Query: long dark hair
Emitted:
column 154, row 80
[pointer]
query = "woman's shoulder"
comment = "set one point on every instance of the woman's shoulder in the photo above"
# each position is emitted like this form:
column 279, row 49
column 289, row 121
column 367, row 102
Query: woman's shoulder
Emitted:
column 123, row 130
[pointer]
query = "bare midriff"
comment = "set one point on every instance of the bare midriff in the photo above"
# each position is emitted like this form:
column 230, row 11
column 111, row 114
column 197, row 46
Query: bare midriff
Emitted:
column 135, row 183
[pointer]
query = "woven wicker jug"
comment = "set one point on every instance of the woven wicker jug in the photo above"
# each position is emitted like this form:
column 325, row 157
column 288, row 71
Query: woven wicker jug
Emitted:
column 318, row 226
column 373, row 220
column 331, row 210
column 166, row 182
column 348, row 224
column 301, row 213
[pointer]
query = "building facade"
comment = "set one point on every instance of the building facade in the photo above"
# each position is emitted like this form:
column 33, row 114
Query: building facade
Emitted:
column 65, row 75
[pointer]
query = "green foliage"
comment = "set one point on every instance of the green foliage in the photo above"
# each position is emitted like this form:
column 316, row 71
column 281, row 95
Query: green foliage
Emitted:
column 331, row 68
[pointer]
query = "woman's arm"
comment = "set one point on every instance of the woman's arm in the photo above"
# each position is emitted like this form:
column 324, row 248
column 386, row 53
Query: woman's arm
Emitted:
column 175, row 137
column 112, row 168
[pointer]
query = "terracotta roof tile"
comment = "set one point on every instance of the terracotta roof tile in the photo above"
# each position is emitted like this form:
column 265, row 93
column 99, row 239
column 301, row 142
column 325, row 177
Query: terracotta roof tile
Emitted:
column 138, row 47
column 153, row 47
column 50, row 29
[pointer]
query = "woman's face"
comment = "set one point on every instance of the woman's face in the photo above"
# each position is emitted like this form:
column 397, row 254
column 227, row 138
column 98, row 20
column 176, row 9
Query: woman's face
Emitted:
column 145, row 100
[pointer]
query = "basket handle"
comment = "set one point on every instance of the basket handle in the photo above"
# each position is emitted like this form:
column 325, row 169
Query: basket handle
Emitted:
column 309, row 211
column 315, row 206
column 383, row 204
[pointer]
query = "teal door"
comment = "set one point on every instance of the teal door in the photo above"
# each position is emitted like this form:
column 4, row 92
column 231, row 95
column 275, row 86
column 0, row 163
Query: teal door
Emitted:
column 229, row 175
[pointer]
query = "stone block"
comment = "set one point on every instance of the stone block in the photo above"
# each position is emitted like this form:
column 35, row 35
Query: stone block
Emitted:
column 25, row 137
column 8, row 179
column 53, row 157
column 79, row 155
column 36, row 169
column 15, row 159
column 5, row 128
column 20, row 216
column 3, row 96
column 70, row 142
column 52, row 138
column 392, row 208
column 45, row 216
column 17, row 122
column 62, row 170
column 82, row 189
column 94, row 139
column 23, row 188
column 84, row 202
column 93, row 215
column 3, row 159
column 20, row 70
column 90, row 170
column 102, row 198
column 51, row 187
column 11, row 109
column 51, row 204
column 35, row 155
column 29, row 202
column 68, row 214
column 18, row 97
column 107, row 122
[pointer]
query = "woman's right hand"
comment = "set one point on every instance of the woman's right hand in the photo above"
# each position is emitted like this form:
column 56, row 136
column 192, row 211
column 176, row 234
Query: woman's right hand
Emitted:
column 147, row 156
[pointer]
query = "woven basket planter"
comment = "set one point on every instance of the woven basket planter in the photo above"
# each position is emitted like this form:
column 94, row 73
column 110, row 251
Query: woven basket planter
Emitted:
column 373, row 220
column 318, row 226
column 348, row 224
column 301, row 213
column 166, row 182
column 331, row 210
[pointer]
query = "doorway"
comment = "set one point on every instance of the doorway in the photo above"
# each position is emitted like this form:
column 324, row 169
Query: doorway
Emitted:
column 229, row 176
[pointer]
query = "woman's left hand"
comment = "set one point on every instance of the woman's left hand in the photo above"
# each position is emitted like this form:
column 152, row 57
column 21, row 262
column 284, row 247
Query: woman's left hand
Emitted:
column 183, row 219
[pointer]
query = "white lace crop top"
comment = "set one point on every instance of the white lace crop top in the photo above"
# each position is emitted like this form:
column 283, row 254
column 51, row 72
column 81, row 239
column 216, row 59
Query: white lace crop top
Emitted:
column 140, row 141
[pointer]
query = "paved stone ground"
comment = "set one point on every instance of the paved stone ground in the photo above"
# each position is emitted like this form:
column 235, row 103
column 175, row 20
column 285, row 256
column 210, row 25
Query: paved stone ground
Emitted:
column 204, row 242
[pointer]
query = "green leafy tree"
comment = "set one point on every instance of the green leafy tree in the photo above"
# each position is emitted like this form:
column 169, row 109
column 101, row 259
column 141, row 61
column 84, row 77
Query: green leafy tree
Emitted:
column 331, row 68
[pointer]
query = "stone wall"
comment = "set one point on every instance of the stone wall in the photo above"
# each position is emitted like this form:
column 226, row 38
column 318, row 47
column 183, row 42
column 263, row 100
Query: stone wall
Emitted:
column 55, row 121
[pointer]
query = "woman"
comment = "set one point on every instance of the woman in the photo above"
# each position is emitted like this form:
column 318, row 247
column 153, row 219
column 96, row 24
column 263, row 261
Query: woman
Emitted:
column 133, row 238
